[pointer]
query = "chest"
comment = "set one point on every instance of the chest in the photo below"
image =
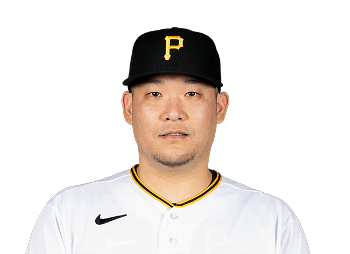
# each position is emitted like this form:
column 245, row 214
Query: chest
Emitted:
column 175, row 230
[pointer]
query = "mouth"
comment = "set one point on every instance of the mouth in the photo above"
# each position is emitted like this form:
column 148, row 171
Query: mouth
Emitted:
column 174, row 135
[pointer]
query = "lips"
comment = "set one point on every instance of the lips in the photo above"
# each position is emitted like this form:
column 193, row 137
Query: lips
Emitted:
column 174, row 136
column 174, row 133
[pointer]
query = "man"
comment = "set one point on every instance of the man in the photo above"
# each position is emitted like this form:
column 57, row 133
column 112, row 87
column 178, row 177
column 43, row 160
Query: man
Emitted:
column 170, row 202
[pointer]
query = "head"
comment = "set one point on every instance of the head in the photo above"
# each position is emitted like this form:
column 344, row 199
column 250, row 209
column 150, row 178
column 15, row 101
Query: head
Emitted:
column 174, row 113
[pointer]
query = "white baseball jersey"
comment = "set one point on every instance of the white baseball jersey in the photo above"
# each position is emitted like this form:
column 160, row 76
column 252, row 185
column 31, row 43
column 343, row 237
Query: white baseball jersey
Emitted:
column 121, row 215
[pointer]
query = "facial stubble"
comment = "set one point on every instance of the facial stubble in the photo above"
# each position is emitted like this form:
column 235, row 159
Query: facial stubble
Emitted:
column 178, row 162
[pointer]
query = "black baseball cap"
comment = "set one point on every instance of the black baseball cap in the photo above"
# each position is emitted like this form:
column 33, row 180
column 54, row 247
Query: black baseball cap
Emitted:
column 175, row 51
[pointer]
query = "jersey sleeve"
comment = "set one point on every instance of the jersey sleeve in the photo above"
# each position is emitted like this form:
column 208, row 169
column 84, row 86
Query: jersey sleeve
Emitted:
column 293, row 240
column 47, row 237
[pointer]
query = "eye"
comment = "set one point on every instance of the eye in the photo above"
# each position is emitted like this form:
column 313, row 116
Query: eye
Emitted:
column 154, row 94
column 192, row 94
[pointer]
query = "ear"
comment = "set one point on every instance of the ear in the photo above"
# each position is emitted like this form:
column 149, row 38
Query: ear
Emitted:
column 221, row 106
column 127, row 107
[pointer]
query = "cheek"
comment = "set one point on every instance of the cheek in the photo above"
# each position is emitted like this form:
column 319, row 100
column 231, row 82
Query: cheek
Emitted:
column 205, row 118
column 147, row 114
column 144, row 119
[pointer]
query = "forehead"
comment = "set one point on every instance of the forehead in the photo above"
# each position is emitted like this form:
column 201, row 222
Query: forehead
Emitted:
column 161, row 79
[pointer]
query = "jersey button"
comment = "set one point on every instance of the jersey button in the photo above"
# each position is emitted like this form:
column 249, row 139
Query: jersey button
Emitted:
column 173, row 240
column 174, row 216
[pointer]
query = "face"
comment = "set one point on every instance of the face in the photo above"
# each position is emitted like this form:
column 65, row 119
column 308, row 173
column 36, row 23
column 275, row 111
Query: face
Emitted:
column 174, row 118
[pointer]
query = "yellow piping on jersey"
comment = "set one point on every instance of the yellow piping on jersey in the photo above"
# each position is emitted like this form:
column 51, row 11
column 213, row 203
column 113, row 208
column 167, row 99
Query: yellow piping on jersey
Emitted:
column 184, row 203
column 204, row 193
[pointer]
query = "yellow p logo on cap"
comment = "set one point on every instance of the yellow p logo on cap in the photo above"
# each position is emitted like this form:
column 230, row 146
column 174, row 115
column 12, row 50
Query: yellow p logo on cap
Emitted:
column 168, row 46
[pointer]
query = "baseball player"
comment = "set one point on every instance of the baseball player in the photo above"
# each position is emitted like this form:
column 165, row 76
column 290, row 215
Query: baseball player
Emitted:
column 170, row 202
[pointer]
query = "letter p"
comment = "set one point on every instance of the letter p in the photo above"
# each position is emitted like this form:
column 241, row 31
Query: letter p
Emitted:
column 168, row 46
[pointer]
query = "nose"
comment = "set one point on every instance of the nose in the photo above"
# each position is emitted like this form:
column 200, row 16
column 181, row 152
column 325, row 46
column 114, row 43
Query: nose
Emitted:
column 174, row 111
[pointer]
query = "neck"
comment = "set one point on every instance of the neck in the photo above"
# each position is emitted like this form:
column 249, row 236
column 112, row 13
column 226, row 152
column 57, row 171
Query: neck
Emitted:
column 175, row 184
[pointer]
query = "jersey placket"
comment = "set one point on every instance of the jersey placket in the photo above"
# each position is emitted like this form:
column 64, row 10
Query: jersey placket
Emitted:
column 171, row 233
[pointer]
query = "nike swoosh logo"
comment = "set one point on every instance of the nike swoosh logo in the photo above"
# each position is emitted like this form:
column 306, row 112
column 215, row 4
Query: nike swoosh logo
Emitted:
column 100, row 221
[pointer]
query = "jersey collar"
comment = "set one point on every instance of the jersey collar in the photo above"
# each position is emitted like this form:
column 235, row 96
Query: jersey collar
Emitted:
column 184, row 203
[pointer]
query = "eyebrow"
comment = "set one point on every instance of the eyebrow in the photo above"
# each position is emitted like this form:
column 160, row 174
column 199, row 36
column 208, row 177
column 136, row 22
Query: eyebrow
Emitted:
column 153, row 81
column 193, row 81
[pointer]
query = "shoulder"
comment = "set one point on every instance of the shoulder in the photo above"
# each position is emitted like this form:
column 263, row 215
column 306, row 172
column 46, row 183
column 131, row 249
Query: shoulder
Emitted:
column 240, row 195
column 92, row 190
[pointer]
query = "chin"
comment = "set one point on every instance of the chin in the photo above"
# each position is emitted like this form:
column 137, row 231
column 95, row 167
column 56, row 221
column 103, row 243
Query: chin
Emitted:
column 179, row 161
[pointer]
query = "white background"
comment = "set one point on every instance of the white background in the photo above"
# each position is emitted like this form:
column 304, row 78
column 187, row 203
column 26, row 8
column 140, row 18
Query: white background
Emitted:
column 330, row 102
